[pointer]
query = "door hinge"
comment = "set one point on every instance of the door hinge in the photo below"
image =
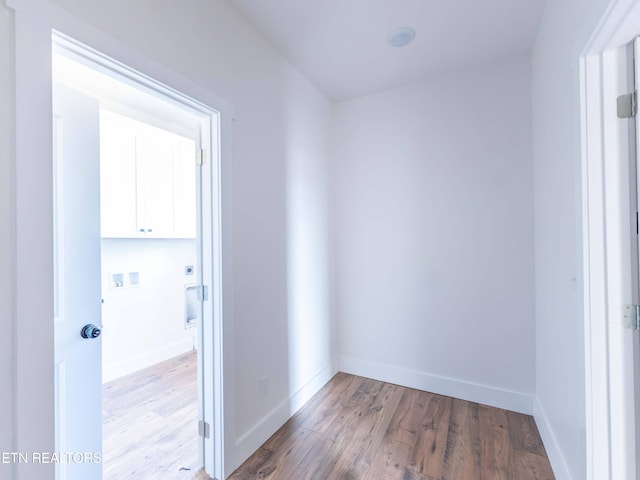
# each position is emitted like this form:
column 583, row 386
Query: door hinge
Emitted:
column 631, row 316
column 201, row 157
column 204, row 430
column 203, row 292
column 627, row 105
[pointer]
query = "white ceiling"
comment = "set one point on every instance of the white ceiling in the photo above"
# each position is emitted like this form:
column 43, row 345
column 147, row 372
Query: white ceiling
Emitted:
column 340, row 45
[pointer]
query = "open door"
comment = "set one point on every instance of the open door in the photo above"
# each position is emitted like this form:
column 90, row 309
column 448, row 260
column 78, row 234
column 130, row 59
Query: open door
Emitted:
column 78, row 293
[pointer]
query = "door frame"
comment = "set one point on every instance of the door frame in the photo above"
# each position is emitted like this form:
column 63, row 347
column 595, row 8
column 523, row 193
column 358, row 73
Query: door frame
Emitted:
column 34, row 429
column 610, row 280
column 205, row 211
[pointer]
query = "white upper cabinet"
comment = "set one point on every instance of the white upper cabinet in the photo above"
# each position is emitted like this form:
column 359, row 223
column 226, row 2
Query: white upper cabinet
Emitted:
column 147, row 180
column 118, row 188
column 184, row 189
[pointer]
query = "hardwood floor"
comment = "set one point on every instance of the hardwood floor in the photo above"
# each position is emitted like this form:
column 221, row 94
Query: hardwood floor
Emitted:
column 361, row 429
column 150, row 423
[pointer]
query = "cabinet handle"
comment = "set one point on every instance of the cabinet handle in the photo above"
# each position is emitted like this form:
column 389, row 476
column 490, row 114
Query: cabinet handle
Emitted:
column 150, row 230
column 141, row 230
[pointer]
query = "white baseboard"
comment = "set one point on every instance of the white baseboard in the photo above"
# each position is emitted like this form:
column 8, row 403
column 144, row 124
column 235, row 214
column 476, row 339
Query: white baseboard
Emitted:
column 551, row 445
column 451, row 387
column 113, row 370
column 251, row 440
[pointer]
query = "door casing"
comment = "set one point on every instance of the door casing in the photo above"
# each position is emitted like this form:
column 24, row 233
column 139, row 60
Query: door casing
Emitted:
column 209, row 137
column 610, row 269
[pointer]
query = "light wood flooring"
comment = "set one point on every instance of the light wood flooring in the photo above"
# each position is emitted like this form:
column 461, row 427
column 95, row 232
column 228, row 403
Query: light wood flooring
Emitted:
column 150, row 423
column 361, row 429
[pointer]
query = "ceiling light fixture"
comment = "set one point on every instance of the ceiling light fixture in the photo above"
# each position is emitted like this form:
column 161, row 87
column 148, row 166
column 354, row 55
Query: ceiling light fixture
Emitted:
column 401, row 37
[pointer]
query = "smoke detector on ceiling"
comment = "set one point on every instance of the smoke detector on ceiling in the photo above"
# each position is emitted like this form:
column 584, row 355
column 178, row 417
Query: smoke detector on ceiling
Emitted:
column 401, row 37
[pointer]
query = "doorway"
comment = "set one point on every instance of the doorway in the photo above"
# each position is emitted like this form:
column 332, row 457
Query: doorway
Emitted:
column 155, row 240
column 150, row 307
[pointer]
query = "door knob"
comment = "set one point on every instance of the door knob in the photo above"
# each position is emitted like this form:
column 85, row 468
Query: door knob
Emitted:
column 90, row 331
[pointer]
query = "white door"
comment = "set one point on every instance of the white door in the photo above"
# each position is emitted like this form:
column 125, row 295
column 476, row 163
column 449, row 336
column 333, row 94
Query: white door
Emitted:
column 78, row 292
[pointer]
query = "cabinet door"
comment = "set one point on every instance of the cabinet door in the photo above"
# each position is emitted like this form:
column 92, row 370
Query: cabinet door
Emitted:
column 184, row 189
column 155, row 210
column 148, row 180
column 118, row 189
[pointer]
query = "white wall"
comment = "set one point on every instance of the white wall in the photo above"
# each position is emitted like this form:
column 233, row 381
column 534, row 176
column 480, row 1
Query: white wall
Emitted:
column 7, row 206
column 560, row 367
column 281, row 141
column 433, row 196
column 144, row 324
column 308, row 242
